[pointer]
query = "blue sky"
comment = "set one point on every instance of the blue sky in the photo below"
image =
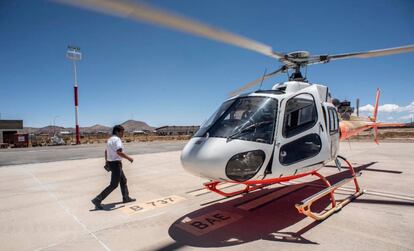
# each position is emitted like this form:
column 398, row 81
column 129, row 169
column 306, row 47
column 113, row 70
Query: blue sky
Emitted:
column 135, row 70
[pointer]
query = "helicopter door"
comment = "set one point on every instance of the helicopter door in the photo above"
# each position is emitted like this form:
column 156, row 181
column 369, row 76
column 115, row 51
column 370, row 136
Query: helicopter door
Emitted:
column 333, row 130
column 301, row 141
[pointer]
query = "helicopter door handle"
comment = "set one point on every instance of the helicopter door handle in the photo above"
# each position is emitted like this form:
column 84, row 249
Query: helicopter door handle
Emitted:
column 320, row 128
column 312, row 143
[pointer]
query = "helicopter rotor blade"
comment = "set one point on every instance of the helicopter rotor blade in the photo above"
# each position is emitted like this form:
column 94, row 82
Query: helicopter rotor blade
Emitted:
column 257, row 81
column 374, row 53
column 148, row 14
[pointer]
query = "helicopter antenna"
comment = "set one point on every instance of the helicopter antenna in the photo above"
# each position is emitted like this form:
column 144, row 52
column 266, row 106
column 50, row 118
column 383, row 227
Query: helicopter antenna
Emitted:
column 264, row 74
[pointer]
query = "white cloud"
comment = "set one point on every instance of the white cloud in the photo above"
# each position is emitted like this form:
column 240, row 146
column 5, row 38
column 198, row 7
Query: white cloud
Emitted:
column 390, row 112
column 407, row 117
column 389, row 108
column 366, row 108
column 408, row 108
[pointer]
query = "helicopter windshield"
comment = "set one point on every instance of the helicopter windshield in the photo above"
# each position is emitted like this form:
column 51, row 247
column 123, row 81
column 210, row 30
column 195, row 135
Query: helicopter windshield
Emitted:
column 246, row 118
column 216, row 115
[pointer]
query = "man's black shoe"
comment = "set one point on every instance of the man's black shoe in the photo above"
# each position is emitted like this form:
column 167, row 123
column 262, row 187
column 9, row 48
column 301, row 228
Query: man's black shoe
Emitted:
column 97, row 204
column 128, row 199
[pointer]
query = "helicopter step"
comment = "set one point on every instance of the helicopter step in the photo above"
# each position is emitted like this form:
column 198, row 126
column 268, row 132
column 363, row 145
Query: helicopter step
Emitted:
column 304, row 206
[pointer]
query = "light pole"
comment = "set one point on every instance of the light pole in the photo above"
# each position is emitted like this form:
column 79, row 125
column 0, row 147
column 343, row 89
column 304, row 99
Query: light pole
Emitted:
column 74, row 54
column 54, row 125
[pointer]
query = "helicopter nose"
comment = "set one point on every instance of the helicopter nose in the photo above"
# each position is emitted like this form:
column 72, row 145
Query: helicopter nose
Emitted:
column 217, row 159
column 200, row 157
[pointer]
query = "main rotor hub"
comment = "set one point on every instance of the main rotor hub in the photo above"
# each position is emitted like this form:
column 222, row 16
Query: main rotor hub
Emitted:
column 298, row 55
column 296, row 59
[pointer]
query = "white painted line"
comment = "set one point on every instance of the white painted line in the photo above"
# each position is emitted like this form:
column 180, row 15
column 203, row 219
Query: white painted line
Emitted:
column 66, row 209
column 269, row 197
column 380, row 194
column 153, row 204
column 208, row 222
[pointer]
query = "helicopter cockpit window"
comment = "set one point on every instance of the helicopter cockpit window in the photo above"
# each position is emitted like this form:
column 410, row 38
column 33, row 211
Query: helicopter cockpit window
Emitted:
column 216, row 115
column 300, row 115
column 300, row 149
column 248, row 118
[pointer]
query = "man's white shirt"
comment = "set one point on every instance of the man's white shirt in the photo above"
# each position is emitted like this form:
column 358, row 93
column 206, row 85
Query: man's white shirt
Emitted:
column 114, row 144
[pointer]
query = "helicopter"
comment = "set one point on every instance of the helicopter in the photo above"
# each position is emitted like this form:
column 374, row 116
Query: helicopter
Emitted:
column 266, row 136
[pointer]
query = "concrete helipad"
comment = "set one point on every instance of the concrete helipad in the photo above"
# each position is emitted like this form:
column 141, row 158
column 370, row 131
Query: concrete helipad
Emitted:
column 46, row 206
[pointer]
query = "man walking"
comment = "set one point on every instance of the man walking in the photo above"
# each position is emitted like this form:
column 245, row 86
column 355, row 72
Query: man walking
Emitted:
column 113, row 156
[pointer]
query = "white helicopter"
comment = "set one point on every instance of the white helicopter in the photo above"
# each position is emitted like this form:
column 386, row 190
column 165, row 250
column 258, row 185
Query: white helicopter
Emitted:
column 267, row 136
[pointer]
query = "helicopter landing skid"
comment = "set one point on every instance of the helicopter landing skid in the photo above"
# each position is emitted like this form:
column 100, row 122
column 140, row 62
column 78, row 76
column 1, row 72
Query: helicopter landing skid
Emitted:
column 304, row 206
column 212, row 186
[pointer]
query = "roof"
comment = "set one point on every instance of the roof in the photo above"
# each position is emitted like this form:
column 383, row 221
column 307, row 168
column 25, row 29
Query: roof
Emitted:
column 175, row 127
column 11, row 124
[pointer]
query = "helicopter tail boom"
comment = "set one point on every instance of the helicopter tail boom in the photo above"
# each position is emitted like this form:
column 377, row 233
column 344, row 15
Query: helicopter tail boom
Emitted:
column 354, row 127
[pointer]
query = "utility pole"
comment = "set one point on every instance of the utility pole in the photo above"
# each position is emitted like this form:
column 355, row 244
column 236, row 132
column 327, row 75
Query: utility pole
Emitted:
column 357, row 107
column 54, row 124
column 74, row 54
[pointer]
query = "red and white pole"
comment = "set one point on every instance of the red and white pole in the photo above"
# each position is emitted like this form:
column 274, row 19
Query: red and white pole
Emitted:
column 76, row 105
column 76, row 116
column 74, row 54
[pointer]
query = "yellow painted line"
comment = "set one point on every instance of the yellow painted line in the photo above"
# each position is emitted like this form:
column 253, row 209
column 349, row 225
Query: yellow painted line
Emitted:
column 152, row 204
column 208, row 222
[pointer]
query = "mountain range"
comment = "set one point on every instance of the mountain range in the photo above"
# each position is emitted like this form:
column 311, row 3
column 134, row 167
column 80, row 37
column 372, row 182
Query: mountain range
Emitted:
column 129, row 125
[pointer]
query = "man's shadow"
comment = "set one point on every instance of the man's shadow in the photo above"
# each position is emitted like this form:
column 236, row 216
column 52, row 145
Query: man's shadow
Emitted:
column 109, row 207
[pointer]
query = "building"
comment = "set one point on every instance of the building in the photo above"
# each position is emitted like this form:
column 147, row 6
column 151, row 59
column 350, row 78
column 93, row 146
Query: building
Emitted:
column 8, row 129
column 176, row 130
column 139, row 132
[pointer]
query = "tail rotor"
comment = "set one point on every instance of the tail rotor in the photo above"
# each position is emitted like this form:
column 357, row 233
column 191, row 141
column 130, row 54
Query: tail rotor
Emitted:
column 374, row 119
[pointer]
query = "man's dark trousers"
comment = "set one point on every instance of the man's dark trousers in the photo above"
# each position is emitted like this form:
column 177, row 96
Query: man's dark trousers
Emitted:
column 117, row 177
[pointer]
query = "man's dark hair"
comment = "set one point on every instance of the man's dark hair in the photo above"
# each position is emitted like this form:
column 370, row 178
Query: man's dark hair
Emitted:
column 117, row 129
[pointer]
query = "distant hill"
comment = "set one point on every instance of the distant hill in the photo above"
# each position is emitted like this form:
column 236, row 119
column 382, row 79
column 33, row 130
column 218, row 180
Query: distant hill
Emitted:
column 409, row 124
column 129, row 125
column 30, row 129
column 134, row 125
column 49, row 129
column 96, row 128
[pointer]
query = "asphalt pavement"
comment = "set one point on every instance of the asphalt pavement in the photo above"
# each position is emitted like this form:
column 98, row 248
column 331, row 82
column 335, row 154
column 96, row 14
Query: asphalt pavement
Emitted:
column 46, row 206
column 17, row 156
